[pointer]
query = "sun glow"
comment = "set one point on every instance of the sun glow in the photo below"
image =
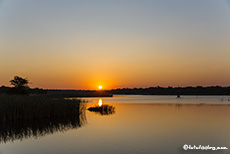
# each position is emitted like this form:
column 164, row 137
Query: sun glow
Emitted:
column 100, row 87
column 100, row 102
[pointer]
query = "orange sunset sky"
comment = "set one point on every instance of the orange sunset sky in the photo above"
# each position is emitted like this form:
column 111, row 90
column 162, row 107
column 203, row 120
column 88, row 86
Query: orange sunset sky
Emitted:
column 70, row 44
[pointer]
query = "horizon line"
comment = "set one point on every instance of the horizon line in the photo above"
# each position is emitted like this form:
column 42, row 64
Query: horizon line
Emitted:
column 127, row 87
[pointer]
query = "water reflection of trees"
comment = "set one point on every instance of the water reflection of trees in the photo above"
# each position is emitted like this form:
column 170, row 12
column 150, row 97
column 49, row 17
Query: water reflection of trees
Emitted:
column 22, row 129
column 103, row 109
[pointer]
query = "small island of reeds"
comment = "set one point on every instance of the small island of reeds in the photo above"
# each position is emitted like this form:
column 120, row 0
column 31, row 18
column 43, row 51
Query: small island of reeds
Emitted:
column 103, row 109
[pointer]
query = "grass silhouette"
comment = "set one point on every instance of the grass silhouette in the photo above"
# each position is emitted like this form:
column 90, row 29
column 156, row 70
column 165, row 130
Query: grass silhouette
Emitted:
column 24, row 116
column 19, row 107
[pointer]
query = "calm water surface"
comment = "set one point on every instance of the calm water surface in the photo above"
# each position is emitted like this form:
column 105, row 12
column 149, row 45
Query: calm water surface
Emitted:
column 140, row 124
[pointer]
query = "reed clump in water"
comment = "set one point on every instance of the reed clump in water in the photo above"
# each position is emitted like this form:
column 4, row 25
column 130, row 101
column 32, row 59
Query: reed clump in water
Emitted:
column 103, row 109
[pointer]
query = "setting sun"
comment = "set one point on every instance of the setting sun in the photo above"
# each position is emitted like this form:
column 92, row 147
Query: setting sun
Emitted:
column 100, row 87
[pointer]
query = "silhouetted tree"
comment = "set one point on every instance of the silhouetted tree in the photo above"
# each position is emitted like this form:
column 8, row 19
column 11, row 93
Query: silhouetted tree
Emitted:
column 20, row 85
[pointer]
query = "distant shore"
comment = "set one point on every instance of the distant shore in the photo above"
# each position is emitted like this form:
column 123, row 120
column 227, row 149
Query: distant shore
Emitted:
column 199, row 90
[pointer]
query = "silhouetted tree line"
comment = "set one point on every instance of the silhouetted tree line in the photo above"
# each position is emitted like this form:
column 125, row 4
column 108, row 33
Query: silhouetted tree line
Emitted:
column 199, row 90
column 20, row 87
column 11, row 90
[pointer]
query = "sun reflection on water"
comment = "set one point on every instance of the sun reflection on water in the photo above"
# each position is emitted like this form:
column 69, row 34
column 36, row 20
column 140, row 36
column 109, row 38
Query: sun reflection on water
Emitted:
column 100, row 102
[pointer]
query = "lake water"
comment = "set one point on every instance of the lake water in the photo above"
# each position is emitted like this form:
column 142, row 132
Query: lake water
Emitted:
column 138, row 124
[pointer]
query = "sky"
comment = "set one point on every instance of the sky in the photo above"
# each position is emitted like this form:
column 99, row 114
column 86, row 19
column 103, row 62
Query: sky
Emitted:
column 71, row 44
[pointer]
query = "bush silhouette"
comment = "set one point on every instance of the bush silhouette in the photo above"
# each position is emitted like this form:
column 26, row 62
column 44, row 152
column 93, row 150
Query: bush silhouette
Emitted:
column 20, row 86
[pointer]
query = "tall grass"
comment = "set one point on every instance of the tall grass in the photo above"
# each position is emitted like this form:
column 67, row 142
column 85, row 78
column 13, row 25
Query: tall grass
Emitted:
column 17, row 107
column 36, row 116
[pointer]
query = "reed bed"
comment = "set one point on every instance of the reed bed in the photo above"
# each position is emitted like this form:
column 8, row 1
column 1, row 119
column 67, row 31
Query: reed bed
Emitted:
column 36, row 116
column 17, row 107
